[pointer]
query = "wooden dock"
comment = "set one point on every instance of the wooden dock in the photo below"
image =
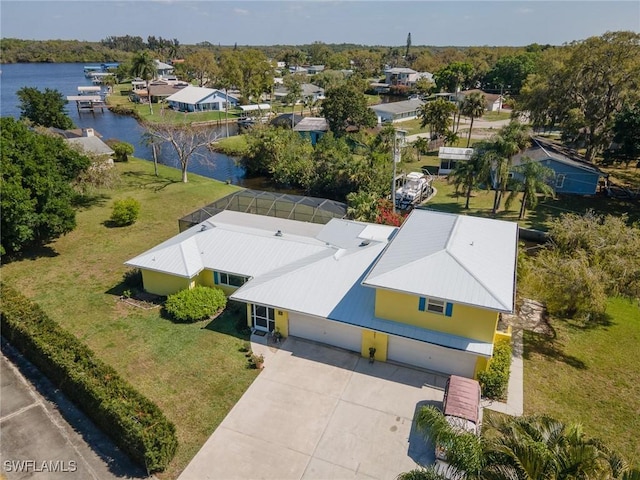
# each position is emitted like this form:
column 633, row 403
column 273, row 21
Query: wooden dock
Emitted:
column 88, row 103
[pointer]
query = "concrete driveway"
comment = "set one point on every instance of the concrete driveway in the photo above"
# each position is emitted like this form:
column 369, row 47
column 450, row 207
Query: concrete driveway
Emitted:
column 316, row 412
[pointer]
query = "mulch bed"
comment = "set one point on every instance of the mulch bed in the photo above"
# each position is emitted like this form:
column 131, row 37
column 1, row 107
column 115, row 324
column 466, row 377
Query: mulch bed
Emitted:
column 144, row 300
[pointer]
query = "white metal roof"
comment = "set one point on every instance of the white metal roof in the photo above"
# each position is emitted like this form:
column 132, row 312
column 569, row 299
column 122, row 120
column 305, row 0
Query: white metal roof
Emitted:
column 455, row 153
column 254, row 107
column 192, row 94
column 397, row 108
column 463, row 259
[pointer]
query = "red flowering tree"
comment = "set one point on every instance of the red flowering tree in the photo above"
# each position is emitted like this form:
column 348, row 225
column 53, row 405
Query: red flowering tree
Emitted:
column 386, row 216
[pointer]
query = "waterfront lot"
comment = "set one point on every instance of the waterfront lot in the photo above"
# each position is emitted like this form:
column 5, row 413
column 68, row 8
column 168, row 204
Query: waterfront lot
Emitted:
column 196, row 372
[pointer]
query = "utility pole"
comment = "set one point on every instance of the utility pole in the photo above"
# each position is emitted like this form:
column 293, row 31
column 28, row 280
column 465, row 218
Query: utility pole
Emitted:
column 393, row 180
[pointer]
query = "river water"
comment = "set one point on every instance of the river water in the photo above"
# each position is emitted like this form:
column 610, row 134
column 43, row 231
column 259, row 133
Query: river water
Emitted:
column 67, row 77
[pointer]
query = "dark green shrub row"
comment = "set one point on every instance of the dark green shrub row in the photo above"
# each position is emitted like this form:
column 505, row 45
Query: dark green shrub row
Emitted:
column 195, row 304
column 495, row 380
column 135, row 423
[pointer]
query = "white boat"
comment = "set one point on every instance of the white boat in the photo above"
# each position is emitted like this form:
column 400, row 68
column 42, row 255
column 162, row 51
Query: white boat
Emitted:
column 416, row 187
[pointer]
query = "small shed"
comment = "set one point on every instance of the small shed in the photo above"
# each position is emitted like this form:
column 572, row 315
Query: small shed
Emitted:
column 312, row 128
column 450, row 156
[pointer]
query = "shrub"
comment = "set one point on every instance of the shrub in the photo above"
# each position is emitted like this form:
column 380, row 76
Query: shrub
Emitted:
column 125, row 212
column 121, row 150
column 134, row 423
column 495, row 380
column 195, row 304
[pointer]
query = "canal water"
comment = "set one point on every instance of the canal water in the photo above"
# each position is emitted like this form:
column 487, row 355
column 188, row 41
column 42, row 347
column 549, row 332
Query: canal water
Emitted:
column 67, row 77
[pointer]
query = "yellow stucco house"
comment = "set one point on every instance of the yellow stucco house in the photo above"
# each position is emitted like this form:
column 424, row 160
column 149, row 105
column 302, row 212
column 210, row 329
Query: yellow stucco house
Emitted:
column 428, row 294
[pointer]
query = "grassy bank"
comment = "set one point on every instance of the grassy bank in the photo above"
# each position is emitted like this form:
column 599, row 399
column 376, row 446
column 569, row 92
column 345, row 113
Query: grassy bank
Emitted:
column 590, row 375
column 195, row 372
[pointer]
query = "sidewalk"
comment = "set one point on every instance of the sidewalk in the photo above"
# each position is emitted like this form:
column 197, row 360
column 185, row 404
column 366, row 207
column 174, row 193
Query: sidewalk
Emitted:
column 515, row 391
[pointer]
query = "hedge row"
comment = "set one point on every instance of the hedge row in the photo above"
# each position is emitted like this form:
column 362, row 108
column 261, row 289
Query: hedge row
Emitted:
column 495, row 380
column 135, row 423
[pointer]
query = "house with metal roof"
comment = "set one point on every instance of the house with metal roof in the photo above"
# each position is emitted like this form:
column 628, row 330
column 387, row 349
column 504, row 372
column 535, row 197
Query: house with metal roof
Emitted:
column 397, row 111
column 312, row 128
column 427, row 294
column 572, row 174
column 200, row 99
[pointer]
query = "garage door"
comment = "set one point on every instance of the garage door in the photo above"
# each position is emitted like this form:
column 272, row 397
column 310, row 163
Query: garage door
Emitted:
column 432, row 357
column 325, row 331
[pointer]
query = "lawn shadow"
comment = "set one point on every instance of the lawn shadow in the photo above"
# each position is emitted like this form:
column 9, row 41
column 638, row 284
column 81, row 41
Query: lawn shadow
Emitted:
column 601, row 321
column 87, row 201
column 33, row 253
column 232, row 321
column 148, row 180
column 549, row 346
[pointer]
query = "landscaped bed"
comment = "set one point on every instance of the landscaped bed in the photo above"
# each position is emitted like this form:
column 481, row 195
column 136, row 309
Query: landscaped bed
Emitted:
column 194, row 372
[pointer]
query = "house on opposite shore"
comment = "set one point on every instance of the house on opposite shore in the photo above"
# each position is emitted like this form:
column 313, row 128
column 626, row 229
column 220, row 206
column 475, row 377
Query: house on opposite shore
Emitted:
column 427, row 294
column 200, row 99
column 572, row 174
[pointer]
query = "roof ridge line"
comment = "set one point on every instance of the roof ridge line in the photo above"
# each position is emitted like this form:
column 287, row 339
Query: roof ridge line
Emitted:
column 493, row 295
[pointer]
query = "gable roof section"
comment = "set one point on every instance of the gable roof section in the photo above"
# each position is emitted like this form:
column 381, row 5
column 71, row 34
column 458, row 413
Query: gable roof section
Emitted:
column 398, row 107
column 462, row 259
column 542, row 150
column 194, row 95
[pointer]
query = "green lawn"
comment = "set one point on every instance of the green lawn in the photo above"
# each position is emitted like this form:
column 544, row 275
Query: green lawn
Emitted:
column 195, row 373
column 590, row 375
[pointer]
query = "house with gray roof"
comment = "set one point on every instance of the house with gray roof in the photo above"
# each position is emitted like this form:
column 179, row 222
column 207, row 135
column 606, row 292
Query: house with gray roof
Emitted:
column 397, row 111
column 427, row 294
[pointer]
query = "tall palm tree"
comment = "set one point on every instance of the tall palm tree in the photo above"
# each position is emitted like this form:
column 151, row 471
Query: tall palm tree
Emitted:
column 510, row 140
column 144, row 66
column 535, row 178
column 473, row 106
column 466, row 175
column 437, row 114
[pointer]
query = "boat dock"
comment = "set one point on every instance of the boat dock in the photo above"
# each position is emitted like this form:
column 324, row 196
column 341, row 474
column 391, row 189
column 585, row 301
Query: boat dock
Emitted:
column 88, row 103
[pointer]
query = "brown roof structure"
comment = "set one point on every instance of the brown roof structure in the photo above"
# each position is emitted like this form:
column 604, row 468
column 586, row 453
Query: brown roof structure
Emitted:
column 462, row 398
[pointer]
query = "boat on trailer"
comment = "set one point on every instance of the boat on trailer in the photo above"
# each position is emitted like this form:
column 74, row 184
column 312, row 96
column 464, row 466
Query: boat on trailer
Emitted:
column 415, row 188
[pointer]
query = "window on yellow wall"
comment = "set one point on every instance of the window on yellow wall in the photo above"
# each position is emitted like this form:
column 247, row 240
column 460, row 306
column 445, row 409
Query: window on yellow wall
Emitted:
column 230, row 280
column 434, row 305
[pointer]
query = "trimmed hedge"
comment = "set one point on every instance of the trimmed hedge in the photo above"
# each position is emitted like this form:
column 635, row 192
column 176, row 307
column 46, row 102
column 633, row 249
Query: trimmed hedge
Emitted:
column 125, row 212
column 495, row 380
column 135, row 423
column 198, row 303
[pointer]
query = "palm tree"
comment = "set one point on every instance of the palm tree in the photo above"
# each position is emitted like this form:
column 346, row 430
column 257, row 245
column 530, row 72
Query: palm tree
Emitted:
column 437, row 114
column 421, row 145
column 473, row 107
column 425, row 473
column 535, row 179
column 144, row 66
column 510, row 140
column 522, row 448
column 466, row 174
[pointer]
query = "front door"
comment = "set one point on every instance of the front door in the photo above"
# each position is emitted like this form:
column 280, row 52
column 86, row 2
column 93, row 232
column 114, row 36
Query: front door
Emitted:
column 263, row 318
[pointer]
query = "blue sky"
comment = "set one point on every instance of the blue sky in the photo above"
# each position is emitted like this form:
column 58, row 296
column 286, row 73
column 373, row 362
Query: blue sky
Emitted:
column 267, row 22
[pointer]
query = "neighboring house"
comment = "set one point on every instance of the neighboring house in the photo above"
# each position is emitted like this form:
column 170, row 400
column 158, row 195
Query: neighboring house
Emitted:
column 314, row 69
column 397, row 111
column 449, row 156
column 199, row 99
column 160, row 90
column 163, row 69
column 428, row 294
column 298, row 69
column 88, row 141
column 309, row 91
column 493, row 101
column 572, row 174
column 400, row 76
column 312, row 128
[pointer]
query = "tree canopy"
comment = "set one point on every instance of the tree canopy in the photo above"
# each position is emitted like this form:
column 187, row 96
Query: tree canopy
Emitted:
column 44, row 108
column 346, row 106
column 37, row 171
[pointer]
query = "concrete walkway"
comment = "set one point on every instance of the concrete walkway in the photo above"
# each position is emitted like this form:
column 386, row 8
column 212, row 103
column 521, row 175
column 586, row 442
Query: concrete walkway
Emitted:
column 515, row 391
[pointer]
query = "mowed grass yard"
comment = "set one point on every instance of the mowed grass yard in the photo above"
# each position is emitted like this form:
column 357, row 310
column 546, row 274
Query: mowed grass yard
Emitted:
column 195, row 372
column 590, row 375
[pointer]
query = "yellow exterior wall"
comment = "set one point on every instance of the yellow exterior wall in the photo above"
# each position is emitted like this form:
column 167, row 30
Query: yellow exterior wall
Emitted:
column 482, row 364
column 206, row 278
column 282, row 322
column 249, row 317
column 466, row 321
column 377, row 340
column 163, row 283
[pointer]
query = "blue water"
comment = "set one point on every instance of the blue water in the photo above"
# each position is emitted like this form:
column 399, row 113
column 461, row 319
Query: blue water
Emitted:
column 66, row 78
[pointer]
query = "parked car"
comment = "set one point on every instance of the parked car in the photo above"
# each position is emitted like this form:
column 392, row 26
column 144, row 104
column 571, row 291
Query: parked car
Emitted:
column 461, row 407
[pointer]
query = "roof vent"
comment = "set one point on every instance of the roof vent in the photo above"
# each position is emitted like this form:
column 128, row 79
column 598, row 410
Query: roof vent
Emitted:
column 203, row 228
column 279, row 233
column 364, row 243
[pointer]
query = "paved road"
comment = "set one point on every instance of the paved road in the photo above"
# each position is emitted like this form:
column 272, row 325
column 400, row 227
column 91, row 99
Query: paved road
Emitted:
column 482, row 129
column 45, row 437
